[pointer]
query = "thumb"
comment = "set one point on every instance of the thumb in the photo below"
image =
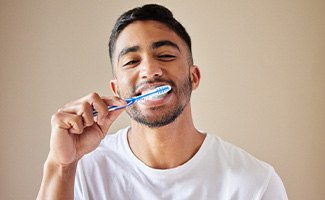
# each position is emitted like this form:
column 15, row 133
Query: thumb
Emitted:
column 109, row 119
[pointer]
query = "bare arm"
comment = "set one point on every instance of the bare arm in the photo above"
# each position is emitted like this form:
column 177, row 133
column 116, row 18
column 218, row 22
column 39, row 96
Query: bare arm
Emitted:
column 74, row 133
column 58, row 181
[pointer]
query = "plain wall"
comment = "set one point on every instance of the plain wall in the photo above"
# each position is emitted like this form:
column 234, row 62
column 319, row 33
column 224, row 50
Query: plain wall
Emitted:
column 262, row 88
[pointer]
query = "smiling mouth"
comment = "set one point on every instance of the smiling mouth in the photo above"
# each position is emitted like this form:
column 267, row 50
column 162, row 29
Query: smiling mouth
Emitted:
column 155, row 96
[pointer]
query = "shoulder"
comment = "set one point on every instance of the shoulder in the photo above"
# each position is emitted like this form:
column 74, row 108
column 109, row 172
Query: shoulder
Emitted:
column 241, row 169
column 234, row 156
column 246, row 172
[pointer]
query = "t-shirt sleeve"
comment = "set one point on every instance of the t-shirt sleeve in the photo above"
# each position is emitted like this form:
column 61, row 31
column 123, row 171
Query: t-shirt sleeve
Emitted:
column 275, row 188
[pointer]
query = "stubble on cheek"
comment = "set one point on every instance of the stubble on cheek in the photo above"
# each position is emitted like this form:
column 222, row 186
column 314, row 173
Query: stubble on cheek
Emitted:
column 162, row 115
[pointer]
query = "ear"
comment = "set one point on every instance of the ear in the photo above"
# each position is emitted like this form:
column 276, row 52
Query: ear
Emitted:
column 114, row 87
column 195, row 76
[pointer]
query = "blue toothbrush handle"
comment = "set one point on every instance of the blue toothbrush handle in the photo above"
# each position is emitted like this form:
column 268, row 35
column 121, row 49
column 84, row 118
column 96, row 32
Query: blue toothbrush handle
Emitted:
column 132, row 100
column 129, row 102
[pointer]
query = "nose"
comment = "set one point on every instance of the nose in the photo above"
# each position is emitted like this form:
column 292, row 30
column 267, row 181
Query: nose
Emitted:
column 150, row 68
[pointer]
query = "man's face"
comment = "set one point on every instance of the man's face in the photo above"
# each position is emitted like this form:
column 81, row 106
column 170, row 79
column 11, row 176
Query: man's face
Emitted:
column 148, row 54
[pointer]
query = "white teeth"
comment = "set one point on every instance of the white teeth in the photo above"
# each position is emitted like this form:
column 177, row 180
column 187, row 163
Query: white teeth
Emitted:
column 154, row 97
column 156, row 93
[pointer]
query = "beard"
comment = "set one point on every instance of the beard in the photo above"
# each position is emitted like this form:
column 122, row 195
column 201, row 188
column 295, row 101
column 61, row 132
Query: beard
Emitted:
column 163, row 116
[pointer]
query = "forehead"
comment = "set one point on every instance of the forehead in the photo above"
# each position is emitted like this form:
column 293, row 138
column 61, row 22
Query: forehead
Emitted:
column 143, row 34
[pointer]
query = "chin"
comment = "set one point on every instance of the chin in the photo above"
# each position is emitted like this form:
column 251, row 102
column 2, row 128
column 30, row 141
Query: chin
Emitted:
column 156, row 117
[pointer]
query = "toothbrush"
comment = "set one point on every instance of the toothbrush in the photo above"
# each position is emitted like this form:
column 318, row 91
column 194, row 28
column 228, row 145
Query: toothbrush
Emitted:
column 129, row 101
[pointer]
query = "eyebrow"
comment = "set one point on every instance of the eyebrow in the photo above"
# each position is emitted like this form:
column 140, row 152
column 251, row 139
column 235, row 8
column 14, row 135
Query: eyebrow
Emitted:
column 154, row 45
column 161, row 43
column 128, row 50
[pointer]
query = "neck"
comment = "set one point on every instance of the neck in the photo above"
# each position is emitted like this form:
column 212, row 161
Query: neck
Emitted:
column 168, row 146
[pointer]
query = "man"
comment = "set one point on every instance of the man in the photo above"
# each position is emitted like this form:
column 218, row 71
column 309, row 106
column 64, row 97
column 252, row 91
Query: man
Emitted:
column 161, row 155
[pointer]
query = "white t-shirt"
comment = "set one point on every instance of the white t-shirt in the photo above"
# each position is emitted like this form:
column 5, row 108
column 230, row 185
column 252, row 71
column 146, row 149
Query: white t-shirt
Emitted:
column 218, row 171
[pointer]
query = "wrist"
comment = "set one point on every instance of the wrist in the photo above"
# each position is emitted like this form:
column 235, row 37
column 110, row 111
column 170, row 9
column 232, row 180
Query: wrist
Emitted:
column 58, row 169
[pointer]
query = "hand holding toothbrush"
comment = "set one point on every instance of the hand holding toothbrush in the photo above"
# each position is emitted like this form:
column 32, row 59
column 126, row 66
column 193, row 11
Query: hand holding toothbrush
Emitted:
column 76, row 132
column 79, row 126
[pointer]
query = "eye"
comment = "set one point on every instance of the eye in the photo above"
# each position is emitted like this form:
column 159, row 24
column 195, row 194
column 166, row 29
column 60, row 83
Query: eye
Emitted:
column 131, row 62
column 166, row 57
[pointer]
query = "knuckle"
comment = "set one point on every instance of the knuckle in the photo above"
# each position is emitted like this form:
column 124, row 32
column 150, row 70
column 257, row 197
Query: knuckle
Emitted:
column 75, row 118
column 56, row 117
column 85, row 106
column 93, row 95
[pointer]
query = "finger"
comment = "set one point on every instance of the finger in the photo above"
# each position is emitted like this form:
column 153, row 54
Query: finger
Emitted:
column 109, row 120
column 113, row 114
column 86, row 105
column 109, row 101
column 83, row 109
column 71, row 122
column 93, row 99
column 86, row 113
column 99, row 105
column 114, row 101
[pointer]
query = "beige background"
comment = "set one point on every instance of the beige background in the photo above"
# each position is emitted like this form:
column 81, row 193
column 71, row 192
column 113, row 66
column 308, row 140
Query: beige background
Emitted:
column 262, row 86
